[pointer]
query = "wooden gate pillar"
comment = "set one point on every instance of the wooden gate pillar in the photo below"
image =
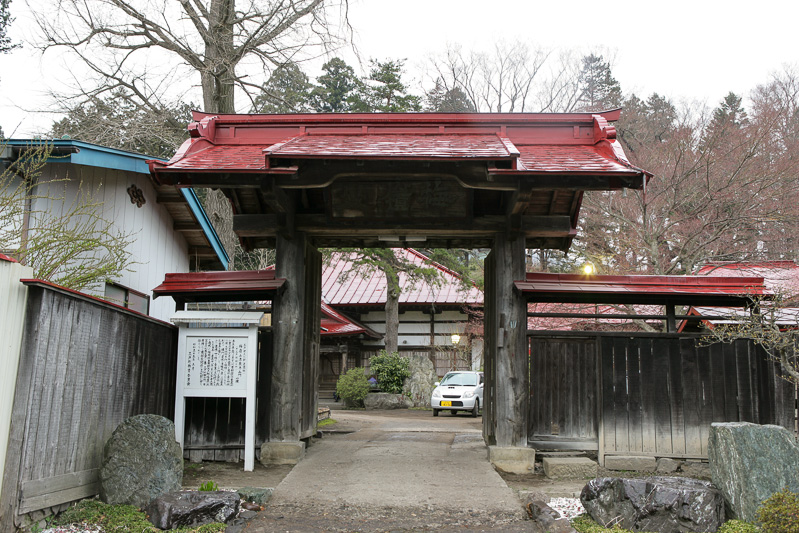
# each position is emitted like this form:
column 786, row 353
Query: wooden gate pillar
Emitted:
column 296, row 327
column 506, row 363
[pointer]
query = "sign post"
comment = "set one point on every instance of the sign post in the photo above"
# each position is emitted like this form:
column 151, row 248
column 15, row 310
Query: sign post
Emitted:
column 217, row 359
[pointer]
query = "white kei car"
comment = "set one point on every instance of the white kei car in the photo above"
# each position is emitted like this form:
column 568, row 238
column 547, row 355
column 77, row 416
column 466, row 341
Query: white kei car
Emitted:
column 458, row 391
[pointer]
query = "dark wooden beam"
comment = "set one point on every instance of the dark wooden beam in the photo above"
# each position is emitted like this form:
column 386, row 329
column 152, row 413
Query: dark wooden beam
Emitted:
column 324, row 226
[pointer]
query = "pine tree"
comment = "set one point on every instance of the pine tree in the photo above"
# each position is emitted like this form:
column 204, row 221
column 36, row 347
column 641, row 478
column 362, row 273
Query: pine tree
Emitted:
column 287, row 91
column 5, row 21
column 385, row 91
column 338, row 90
column 599, row 90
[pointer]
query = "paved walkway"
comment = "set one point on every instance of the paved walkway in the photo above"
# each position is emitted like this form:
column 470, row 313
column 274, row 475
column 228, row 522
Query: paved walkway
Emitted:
column 399, row 471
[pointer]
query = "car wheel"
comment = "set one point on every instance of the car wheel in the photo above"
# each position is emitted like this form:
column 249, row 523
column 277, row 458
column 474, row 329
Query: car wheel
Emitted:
column 435, row 412
column 476, row 408
column 453, row 412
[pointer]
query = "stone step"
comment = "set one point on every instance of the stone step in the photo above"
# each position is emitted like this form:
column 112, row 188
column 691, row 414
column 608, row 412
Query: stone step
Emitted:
column 569, row 468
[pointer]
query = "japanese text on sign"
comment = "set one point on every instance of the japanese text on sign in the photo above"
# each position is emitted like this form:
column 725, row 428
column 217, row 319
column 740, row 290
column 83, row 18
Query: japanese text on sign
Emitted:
column 216, row 362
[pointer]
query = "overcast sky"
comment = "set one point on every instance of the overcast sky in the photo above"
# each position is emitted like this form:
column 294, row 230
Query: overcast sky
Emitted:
column 695, row 50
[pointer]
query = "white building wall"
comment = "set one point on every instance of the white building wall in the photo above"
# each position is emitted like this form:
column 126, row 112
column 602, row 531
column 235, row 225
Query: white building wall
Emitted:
column 13, row 297
column 156, row 248
column 415, row 328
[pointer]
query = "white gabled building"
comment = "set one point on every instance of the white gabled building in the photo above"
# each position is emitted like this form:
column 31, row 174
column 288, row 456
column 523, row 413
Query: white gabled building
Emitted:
column 170, row 230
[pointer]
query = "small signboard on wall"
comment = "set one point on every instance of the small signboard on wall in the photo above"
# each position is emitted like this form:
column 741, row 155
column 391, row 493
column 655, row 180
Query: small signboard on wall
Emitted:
column 217, row 359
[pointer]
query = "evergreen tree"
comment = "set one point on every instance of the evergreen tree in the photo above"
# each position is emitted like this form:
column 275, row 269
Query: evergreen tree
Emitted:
column 118, row 122
column 599, row 90
column 338, row 90
column 443, row 100
column 5, row 21
column 287, row 91
column 385, row 91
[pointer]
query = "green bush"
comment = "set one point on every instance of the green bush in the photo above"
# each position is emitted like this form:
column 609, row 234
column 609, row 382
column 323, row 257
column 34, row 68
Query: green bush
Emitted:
column 738, row 526
column 780, row 513
column 391, row 371
column 353, row 387
column 209, row 486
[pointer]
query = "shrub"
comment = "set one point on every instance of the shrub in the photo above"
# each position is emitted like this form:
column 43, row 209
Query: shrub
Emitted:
column 738, row 526
column 780, row 513
column 391, row 371
column 353, row 387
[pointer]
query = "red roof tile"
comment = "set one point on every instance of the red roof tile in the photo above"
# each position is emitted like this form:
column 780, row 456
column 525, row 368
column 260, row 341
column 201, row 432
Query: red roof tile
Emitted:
column 372, row 146
column 572, row 159
column 780, row 277
column 4, row 257
column 246, row 157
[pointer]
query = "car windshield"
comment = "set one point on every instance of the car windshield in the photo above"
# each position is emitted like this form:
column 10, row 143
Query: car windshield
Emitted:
column 459, row 379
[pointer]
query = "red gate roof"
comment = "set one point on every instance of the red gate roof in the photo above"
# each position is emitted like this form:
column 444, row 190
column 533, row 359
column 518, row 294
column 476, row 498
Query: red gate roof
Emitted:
column 220, row 286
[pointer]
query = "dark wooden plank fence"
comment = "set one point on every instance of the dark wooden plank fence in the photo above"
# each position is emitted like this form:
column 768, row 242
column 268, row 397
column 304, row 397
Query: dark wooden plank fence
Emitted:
column 85, row 366
column 653, row 395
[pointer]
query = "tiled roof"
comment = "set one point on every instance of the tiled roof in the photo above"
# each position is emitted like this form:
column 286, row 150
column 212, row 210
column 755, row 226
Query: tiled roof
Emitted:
column 572, row 159
column 394, row 146
column 370, row 288
column 337, row 324
column 247, row 157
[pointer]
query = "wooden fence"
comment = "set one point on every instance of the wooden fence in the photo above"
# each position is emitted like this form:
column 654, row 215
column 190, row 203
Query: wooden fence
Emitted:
column 85, row 366
column 651, row 395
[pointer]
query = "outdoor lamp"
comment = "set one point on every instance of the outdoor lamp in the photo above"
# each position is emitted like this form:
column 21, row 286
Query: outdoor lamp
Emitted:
column 455, row 338
column 588, row 269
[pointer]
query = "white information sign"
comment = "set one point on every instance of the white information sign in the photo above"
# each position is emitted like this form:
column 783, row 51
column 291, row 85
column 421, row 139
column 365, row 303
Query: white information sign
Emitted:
column 218, row 362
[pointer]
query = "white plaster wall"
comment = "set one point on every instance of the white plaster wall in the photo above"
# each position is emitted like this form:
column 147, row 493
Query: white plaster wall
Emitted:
column 13, row 297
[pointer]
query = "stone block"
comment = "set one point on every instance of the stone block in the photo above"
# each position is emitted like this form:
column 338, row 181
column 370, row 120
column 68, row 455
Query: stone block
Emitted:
column 750, row 462
column 696, row 469
column 282, row 453
column 512, row 459
column 188, row 508
column 255, row 495
column 385, row 400
column 630, row 462
column 667, row 466
column 569, row 467
column 654, row 504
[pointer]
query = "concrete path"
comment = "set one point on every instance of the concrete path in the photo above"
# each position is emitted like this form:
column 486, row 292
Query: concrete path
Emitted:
column 399, row 470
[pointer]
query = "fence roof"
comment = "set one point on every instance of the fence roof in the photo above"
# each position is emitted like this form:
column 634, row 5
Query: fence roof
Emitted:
column 220, row 286
column 639, row 289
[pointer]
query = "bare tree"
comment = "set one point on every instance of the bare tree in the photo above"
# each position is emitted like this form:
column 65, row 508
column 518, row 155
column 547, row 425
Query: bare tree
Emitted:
column 227, row 45
column 768, row 323
column 503, row 80
column 68, row 241
column 722, row 190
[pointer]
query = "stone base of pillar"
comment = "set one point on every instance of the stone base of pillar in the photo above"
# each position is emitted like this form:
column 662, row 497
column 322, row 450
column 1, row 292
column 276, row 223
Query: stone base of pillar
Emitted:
column 513, row 460
column 282, row 453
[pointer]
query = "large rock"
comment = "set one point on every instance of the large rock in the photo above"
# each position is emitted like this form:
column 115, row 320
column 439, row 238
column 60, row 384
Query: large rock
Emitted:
column 188, row 508
column 141, row 461
column 419, row 386
column 667, row 504
column 750, row 462
column 385, row 400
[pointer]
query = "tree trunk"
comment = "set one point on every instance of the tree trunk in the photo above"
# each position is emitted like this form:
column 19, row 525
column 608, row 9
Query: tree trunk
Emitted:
column 392, row 319
column 217, row 78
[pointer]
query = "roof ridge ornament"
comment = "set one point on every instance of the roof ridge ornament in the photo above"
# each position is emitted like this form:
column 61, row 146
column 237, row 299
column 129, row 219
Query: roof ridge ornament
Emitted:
column 603, row 130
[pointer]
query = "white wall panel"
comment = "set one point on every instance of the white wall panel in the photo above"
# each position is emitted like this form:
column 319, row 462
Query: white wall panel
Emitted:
column 13, row 295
